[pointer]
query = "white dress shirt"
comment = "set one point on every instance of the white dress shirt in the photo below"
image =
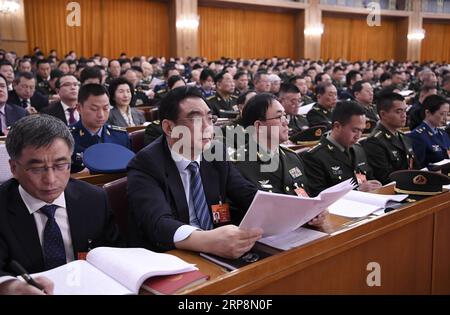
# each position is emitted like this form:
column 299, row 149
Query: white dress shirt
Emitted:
column 128, row 117
column 3, row 117
column 182, row 163
column 66, row 112
column 33, row 205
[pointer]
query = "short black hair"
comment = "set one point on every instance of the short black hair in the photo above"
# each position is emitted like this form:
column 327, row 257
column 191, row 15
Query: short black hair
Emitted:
column 358, row 86
column 239, row 74
column 36, row 131
column 205, row 74
column 170, row 105
column 90, row 73
column 26, row 75
column 219, row 77
column 41, row 61
column 433, row 103
column 322, row 87
column 385, row 101
column 174, row 79
column 241, row 99
column 114, row 84
column 344, row 111
column 92, row 89
column 351, row 75
column 256, row 108
column 288, row 88
column 385, row 76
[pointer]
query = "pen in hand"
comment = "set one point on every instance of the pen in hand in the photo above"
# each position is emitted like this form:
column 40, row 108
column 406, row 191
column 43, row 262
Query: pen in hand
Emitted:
column 16, row 267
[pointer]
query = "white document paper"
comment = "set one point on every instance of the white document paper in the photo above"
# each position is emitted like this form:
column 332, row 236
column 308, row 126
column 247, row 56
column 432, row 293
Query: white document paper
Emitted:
column 303, row 110
column 441, row 163
column 292, row 239
column 356, row 204
column 280, row 214
column 5, row 171
column 110, row 270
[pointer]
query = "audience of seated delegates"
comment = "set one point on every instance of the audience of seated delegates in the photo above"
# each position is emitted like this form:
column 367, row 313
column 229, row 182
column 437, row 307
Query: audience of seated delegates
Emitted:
column 69, row 217
column 207, row 83
column 430, row 143
column 139, row 97
column 388, row 148
column 261, row 82
column 162, row 89
column 321, row 112
column 363, row 95
column 94, row 107
column 351, row 78
column 43, row 70
column 223, row 103
column 339, row 156
column 240, row 83
column 9, row 113
column 290, row 99
column 416, row 112
column 7, row 70
column 166, row 212
column 121, row 93
column 24, row 93
column 67, row 87
column 445, row 86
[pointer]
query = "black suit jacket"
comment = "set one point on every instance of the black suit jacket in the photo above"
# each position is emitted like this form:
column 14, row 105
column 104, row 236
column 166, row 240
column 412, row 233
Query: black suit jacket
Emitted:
column 56, row 110
column 90, row 218
column 157, row 201
column 38, row 100
column 13, row 113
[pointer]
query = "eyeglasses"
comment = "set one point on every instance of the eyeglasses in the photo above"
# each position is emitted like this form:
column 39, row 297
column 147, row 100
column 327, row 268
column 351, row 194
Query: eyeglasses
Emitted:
column 280, row 118
column 57, row 168
column 210, row 119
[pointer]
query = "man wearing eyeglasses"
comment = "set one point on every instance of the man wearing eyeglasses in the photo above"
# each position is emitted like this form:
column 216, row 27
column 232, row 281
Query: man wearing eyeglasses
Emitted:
column 24, row 93
column 46, row 218
column 175, row 189
column 67, row 87
column 290, row 99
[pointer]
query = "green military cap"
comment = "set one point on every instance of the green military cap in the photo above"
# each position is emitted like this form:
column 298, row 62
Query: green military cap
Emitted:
column 420, row 183
column 310, row 134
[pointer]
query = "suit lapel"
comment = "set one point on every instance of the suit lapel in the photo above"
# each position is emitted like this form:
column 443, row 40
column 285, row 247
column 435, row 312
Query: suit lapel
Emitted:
column 119, row 117
column 60, row 113
column 76, row 217
column 24, row 227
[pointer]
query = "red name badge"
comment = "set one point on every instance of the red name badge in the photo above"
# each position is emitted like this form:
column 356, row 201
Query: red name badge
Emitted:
column 221, row 213
column 361, row 178
column 82, row 256
column 301, row 192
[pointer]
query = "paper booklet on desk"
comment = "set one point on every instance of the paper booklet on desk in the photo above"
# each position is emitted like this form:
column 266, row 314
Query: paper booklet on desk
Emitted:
column 254, row 255
column 114, row 271
column 357, row 204
column 281, row 214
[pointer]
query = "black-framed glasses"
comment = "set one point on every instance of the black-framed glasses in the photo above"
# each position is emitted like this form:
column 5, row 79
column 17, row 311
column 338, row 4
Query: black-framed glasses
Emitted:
column 57, row 168
column 280, row 118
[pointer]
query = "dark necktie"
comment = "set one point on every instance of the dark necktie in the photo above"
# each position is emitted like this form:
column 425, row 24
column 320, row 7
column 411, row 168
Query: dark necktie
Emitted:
column 24, row 103
column 72, row 119
column 1, row 125
column 54, row 252
column 198, row 197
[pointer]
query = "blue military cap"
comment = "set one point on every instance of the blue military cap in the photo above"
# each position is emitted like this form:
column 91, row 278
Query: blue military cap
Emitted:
column 419, row 183
column 107, row 158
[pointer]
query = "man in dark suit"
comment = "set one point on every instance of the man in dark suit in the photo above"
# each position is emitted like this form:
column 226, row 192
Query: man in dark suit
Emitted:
column 174, row 187
column 24, row 93
column 47, row 219
column 66, row 109
column 9, row 114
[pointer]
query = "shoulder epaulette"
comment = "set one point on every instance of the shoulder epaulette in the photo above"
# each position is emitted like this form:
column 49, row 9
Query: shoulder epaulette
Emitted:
column 287, row 149
column 315, row 148
column 156, row 122
column 378, row 134
column 210, row 97
column 117, row 128
column 234, row 96
column 160, row 91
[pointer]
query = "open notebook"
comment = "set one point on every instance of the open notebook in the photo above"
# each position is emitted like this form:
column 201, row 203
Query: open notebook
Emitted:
column 114, row 271
column 356, row 204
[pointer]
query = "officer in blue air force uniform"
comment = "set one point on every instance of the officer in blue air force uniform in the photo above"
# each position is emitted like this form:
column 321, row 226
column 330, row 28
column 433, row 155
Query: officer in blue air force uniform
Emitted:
column 430, row 143
column 91, row 129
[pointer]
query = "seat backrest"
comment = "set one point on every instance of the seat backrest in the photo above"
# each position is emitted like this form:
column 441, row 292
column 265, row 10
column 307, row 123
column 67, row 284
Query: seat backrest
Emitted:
column 137, row 140
column 117, row 196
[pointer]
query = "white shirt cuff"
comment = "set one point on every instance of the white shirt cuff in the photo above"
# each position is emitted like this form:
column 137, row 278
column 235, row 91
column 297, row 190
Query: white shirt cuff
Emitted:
column 7, row 278
column 183, row 233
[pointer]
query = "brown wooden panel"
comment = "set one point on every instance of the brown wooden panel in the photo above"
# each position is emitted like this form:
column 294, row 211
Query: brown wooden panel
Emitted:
column 436, row 44
column 441, row 253
column 349, row 37
column 245, row 33
column 108, row 27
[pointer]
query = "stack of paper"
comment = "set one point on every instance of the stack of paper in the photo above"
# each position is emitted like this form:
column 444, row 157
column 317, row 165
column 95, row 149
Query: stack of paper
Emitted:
column 356, row 204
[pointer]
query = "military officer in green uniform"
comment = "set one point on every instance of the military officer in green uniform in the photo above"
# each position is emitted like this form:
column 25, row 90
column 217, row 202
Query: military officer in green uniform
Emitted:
column 91, row 129
column 389, row 149
column 321, row 112
column 363, row 92
column 263, row 161
column 290, row 99
column 338, row 157
column 224, row 103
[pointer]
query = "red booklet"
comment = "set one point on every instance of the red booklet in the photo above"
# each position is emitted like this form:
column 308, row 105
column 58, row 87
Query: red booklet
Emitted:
column 173, row 284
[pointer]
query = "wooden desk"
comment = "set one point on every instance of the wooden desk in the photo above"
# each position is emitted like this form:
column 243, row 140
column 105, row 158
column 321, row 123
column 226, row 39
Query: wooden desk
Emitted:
column 98, row 179
column 411, row 245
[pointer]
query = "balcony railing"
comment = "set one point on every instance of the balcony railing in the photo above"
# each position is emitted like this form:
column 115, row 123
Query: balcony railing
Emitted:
column 401, row 5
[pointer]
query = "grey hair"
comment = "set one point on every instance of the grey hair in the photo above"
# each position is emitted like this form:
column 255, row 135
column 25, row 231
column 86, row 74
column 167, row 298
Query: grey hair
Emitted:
column 36, row 131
